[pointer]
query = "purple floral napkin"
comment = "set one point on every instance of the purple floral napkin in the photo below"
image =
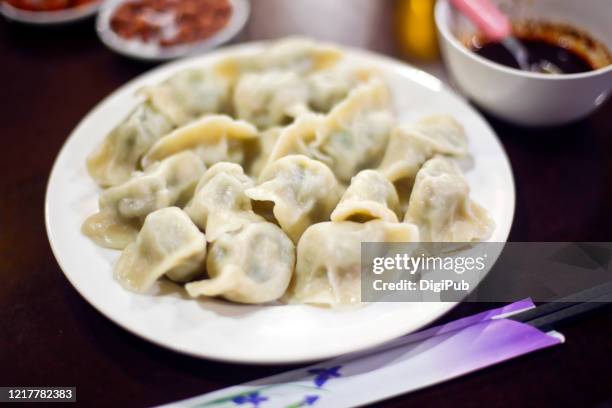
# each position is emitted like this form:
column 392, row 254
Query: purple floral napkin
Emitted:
column 406, row 364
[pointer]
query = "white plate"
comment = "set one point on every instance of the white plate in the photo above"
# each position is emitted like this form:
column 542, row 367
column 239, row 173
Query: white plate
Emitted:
column 152, row 52
column 69, row 15
column 255, row 334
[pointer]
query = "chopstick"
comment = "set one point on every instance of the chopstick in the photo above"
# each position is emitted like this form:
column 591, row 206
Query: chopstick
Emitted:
column 549, row 315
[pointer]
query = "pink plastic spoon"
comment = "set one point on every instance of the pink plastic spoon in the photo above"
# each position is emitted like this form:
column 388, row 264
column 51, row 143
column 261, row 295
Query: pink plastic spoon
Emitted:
column 497, row 27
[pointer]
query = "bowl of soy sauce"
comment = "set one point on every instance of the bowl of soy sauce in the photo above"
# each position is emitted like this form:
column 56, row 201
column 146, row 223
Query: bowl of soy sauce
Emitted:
column 568, row 45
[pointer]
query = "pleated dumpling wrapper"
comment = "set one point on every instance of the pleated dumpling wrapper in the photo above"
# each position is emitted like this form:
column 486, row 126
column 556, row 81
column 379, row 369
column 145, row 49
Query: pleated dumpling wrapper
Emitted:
column 117, row 157
column 370, row 196
column 189, row 94
column 441, row 206
column 122, row 208
column 219, row 203
column 253, row 264
column 272, row 98
column 214, row 138
column 352, row 137
column 329, row 87
column 302, row 191
column 328, row 270
column 412, row 145
column 265, row 143
column 182, row 98
column 299, row 55
column 276, row 97
column 169, row 244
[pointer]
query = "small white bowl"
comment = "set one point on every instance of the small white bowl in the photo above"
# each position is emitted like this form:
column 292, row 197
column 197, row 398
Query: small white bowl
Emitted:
column 57, row 17
column 525, row 98
column 152, row 52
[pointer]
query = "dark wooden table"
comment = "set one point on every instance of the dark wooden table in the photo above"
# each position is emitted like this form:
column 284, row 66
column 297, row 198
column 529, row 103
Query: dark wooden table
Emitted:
column 49, row 336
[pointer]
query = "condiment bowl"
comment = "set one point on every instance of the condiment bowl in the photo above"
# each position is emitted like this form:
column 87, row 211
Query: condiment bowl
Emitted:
column 528, row 98
column 44, row 18
column 153, row 52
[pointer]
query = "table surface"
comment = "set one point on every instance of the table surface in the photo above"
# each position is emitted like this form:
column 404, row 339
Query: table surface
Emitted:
column 50, row 336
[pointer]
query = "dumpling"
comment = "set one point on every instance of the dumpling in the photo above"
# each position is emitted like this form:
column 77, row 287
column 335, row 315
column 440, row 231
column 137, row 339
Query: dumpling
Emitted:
column 276, row 97
column 213, row 138
column 303, row 191
column 265, row 143
column 298, row 55
column 219, row 203
column 169, row 244
column 411, row 145
column 356, row 131
column 298, row 138
column 328, row 269
column 123, row 207
column 184, row 97
column 189, row 94
column 270, row 98
column 352, row 137
column 441, row 207
column 251, row 265
column 328, row 87
column 117, row 156
column 370, row 196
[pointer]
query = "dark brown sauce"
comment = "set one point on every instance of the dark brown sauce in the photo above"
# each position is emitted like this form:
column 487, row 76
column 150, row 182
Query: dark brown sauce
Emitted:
column 568, row 48
column 567, row 61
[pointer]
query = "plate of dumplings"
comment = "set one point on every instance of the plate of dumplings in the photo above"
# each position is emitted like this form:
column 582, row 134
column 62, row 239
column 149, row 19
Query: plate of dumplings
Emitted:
column 216, row 205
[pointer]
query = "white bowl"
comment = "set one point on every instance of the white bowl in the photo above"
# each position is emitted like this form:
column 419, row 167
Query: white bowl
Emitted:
column 526, row 98
column 138, row 49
